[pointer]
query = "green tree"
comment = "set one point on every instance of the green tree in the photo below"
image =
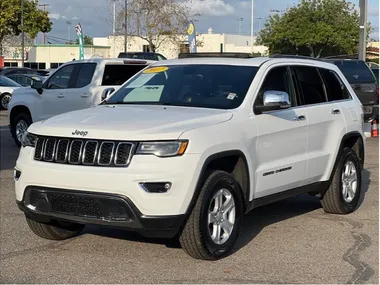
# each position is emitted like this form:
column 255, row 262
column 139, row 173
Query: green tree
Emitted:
column 86, row 41
column 35, row 20
column 314, row 28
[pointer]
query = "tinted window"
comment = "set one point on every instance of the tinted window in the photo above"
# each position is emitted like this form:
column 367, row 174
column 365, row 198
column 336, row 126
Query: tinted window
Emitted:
column 61, row 78
column 355, row 71
column 311, row 85
column 85, row 75
column 207, row 86
column 278, row 79
column 376, row 72
column 4, row 81
column 119, row 73
column 335, row 88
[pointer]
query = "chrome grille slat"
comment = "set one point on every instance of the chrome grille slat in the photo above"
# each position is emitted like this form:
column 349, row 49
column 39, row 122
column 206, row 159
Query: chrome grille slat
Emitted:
column 86, row 152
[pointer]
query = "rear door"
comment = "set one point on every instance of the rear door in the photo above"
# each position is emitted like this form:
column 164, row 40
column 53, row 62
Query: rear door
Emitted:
column 326, row 122
column 362, row 80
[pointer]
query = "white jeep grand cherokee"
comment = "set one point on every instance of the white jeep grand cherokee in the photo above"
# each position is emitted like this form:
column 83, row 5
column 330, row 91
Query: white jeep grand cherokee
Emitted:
column 186, row 147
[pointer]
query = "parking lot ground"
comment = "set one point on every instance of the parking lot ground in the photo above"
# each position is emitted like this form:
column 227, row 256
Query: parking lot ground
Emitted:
column 292, row 241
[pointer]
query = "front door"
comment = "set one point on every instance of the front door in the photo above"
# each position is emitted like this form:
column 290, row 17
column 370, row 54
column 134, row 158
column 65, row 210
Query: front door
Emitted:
column 281, row 154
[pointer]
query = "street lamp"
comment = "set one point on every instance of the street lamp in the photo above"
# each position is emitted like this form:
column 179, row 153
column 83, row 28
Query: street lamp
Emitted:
column 252, row 19
column 68, row 30
column 22, row 34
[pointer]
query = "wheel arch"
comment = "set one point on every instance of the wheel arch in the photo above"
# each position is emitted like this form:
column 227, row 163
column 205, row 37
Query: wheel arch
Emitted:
column 17, row 110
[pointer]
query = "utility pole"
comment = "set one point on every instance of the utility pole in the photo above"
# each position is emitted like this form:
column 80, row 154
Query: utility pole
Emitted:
column 259, row 18
column 240, row 20
column 114, row 18
column 363, row 5
column 22, row 34
column 125, row 25
column 44, row 5
column 68, row 30
column 252, row 19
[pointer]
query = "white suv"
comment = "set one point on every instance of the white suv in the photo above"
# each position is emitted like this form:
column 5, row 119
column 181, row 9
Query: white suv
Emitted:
column 187, row 146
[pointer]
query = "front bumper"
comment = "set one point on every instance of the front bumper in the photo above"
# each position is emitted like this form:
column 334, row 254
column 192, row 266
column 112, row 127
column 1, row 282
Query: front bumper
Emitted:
column 45, row 204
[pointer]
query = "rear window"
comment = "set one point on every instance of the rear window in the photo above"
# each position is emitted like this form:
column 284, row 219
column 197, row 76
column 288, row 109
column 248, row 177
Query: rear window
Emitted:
column 117, row 74
column 356, row 72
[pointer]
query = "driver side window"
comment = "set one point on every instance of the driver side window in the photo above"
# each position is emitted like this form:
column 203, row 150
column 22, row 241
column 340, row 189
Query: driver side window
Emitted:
column 61, row 79
column 277, row 79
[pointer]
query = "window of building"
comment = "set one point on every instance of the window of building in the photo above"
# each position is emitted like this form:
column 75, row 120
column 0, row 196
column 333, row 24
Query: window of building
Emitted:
column 35, row 65
column 55, row 65
column 311, row 85
column 10, row 64
column 146, row 48
column 184, row 48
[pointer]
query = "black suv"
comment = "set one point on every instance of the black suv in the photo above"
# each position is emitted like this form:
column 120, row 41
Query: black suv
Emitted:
column 363, row 81
column 142, row 55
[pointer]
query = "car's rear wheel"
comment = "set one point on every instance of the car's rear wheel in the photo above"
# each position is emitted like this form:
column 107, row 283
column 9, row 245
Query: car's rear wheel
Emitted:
column 56, row 230
column 343, row 195
column 19, row 126
column 5, row 98
column 213, row 226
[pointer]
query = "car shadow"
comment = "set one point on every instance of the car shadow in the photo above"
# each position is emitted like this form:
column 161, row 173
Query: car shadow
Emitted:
column 253, row 223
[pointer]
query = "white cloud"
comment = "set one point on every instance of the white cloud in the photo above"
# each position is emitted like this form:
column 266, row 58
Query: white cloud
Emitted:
column 211, row 7
column 57, row 16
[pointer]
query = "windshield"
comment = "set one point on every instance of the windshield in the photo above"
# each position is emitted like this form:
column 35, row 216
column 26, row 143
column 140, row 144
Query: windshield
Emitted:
column 4, row 81
column 207, row 86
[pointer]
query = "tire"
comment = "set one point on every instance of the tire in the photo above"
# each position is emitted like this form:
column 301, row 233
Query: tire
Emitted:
column 4, row 100
column 56, row 230
column 196, row 239
column 334, row 201
column 19, row 118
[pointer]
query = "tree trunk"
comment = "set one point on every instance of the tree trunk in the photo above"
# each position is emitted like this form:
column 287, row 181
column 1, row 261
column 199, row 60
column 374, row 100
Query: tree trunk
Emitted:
column 311, row 51
column 152, row 47
column 320, row 52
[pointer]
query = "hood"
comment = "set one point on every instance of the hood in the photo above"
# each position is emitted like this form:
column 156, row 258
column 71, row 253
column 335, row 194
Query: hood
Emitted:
column 6, row 89
column 130, row 122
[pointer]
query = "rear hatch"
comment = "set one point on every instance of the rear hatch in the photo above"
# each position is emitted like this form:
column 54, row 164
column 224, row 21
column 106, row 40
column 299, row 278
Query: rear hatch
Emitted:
column 361, row 78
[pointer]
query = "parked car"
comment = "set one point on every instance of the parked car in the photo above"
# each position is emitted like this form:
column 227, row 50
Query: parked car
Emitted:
column 186, row 147
column 26, row 80
column 363, row 81
column 74, row 85
column 16, row 70
column 142, row 55
column 7, row 87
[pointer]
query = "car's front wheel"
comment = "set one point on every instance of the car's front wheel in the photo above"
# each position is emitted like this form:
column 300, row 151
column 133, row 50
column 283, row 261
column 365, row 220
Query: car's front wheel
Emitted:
column 19, row 126
column 5, row 98
column 213, row 226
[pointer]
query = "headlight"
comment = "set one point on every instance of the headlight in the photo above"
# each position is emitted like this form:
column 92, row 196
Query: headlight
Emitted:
column 162, row 149
column 28, row 139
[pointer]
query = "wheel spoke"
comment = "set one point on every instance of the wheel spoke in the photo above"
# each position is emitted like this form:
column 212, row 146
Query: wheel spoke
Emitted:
column 228, row 204
column 227, row 227
column 211, row 218
column 219, row 200
column 344, row 192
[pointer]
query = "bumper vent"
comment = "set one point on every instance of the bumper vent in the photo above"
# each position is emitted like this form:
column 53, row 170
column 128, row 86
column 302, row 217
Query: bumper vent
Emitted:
column 83, row 152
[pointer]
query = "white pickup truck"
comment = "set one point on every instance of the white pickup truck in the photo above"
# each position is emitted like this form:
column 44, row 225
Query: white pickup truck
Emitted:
column 73, row 86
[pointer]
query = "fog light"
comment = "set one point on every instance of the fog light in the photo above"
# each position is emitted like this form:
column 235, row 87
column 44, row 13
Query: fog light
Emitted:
column 16, row 174
column 156, row 187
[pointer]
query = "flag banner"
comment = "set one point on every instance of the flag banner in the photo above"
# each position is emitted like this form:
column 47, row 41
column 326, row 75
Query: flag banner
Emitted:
column 192, row 38
column 78, row 29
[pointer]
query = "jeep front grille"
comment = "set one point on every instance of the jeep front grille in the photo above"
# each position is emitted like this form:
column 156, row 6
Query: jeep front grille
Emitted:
column 83, row 152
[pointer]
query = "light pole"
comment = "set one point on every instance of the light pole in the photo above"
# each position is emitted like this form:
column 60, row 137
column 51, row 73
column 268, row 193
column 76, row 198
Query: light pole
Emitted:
column 22, row 34
column 363, row 5
column 259, row 18
column 252, row 19
column 68, row 30
column 240, row 22
column 114, row 18
column 125, row 24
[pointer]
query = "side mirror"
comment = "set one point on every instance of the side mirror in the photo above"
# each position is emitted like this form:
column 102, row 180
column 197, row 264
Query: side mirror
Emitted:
column 274, row 100
column 37, row 84
column 107, row 92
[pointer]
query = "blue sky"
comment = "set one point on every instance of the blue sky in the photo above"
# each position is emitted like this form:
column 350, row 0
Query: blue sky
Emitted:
column 221, row 15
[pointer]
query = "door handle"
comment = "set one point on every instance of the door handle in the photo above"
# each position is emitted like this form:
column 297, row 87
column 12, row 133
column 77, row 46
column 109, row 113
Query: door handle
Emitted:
column 61, row 96
column 84, row 96
column 300, row 118
column 335, row 111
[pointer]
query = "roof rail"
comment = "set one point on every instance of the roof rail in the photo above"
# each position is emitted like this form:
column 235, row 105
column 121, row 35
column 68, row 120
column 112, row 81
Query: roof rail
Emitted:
column 293, row 56
column 215, row 54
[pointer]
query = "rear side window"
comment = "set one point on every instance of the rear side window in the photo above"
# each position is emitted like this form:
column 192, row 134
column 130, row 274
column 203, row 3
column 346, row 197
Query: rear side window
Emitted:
column 117, row 74
column 336, row 90
column 356, row 72
column 310, row 84
column 85, row 75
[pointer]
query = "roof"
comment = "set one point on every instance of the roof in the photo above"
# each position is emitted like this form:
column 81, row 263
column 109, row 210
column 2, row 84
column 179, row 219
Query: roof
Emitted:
column 110, row 60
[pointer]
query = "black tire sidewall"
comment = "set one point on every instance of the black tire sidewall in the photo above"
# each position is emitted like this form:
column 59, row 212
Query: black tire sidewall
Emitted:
column 19, row 117
column 228, row 182
column 349, row 155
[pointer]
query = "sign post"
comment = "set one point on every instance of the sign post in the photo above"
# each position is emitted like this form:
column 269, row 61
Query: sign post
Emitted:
column 78, row 29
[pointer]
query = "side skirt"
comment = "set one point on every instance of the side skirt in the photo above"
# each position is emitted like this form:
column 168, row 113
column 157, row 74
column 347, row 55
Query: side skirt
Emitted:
column 319, row 187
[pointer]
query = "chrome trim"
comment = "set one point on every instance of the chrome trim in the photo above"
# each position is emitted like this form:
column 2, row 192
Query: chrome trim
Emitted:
column 66, row 151
column 80, row 152
column 100, row 153
column 42, row 149
column 129, row 154
column 53, row 152
column 95, row 154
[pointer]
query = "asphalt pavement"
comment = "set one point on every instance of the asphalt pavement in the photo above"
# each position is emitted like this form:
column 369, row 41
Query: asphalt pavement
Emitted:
column 292, row 241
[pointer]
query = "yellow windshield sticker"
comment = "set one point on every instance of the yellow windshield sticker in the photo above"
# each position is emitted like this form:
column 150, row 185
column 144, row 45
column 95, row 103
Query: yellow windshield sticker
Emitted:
column 156, row 69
